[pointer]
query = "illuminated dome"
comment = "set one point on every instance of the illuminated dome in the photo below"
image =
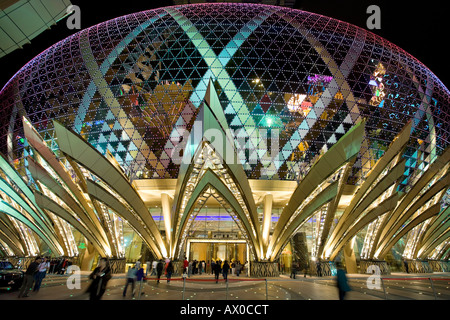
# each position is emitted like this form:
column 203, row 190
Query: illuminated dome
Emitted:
column 337, row 131
column 132, row 86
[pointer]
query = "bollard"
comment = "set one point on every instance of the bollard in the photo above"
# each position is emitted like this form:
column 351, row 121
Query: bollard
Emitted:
column 226, row 281
column 184, row 285
column 432, row 287
column 140, row 289
column 384, row 290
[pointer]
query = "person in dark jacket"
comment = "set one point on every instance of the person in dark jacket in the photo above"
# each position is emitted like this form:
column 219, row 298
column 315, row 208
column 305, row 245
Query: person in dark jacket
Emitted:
column 225, row 270
column 342, row 283
column 100, row 277
column 29, row 277
column 238, row 268
column 319, row 269
column 159, row 269
column 293, row 270
column 217, row 269
column 169, row 270
column 213, row 266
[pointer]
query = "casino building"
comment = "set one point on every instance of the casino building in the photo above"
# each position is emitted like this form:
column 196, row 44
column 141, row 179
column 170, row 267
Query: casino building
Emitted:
column 227, row 131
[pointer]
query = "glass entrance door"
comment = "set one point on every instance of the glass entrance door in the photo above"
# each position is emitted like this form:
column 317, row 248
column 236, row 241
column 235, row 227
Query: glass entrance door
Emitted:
column 213, row 250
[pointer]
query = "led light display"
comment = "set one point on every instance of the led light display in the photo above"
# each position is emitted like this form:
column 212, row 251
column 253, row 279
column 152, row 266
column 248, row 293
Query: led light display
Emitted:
column 132, row 86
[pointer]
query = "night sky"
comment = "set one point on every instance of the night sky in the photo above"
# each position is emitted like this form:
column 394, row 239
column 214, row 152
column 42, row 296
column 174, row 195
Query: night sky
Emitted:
column 420, row 30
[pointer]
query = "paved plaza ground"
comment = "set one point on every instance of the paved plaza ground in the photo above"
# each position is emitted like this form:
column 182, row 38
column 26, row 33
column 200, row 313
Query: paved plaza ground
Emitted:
column 397, row 286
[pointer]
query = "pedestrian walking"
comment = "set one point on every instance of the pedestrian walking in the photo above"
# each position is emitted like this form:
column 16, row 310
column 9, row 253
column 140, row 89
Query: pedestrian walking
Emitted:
column 169, row 271
column 185, row 265
column 140, row 279
column 130, row 279
column 194, row 267
column 154, row 264
column 217, row 270
column 29, row 277
column 63, row 266
column 40, row 275
column 319, row 269
column 238, row 268
column 225, row 269
column 100, row 277
column 52, row 266
column 148, row 267
column 213, row 266
column 406, row 266
column 342, row 283
column 190, row 269
column 159, row 269
column 293, row 270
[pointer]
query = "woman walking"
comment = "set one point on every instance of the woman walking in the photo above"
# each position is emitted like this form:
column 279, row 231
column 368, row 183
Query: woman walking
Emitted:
column 100, row 276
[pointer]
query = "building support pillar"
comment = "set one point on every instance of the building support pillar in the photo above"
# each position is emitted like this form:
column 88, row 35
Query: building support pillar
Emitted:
column 350, row 258
column 267, row 219
column 166, row 204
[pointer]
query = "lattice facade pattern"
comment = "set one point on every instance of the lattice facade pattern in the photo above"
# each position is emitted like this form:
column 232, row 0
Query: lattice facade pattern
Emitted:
column 132, row 86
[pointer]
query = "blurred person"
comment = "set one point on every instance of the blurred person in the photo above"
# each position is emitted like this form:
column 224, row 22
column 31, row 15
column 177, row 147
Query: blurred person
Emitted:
column 28, row 279
column 52, row 266
column 130, row 279
column 69, row 264
column 140, row 278
column 208, row 267
column 213, row 266
column 100, row 277
column 64, row 265
column 238, row 268
column 40, row 275
column 200, row 267
column 148, row 267
column 217, row 270
column 319, row 269
column 154, row 264
column 293, row 270
column 225, row 269
column 194, row 267
column 190, row 269
column 185, row 265
column 169, row 270
column 159, row 269
column 406, row 266
column 342, row 282
column 165, row 266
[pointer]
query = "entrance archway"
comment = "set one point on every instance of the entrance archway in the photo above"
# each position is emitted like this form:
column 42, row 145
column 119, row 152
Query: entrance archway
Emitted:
column 218, row 249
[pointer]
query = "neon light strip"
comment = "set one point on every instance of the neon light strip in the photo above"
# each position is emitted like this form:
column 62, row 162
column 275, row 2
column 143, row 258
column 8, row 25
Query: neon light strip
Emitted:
column 210, row 218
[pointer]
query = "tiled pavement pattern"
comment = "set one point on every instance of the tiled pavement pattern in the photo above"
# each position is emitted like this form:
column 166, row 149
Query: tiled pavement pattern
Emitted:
column 399, row 287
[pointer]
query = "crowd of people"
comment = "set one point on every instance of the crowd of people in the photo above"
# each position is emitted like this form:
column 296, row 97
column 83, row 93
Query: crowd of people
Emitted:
column 38, row 269
column 41, row 266
column 194, row 267
column 59, row 266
